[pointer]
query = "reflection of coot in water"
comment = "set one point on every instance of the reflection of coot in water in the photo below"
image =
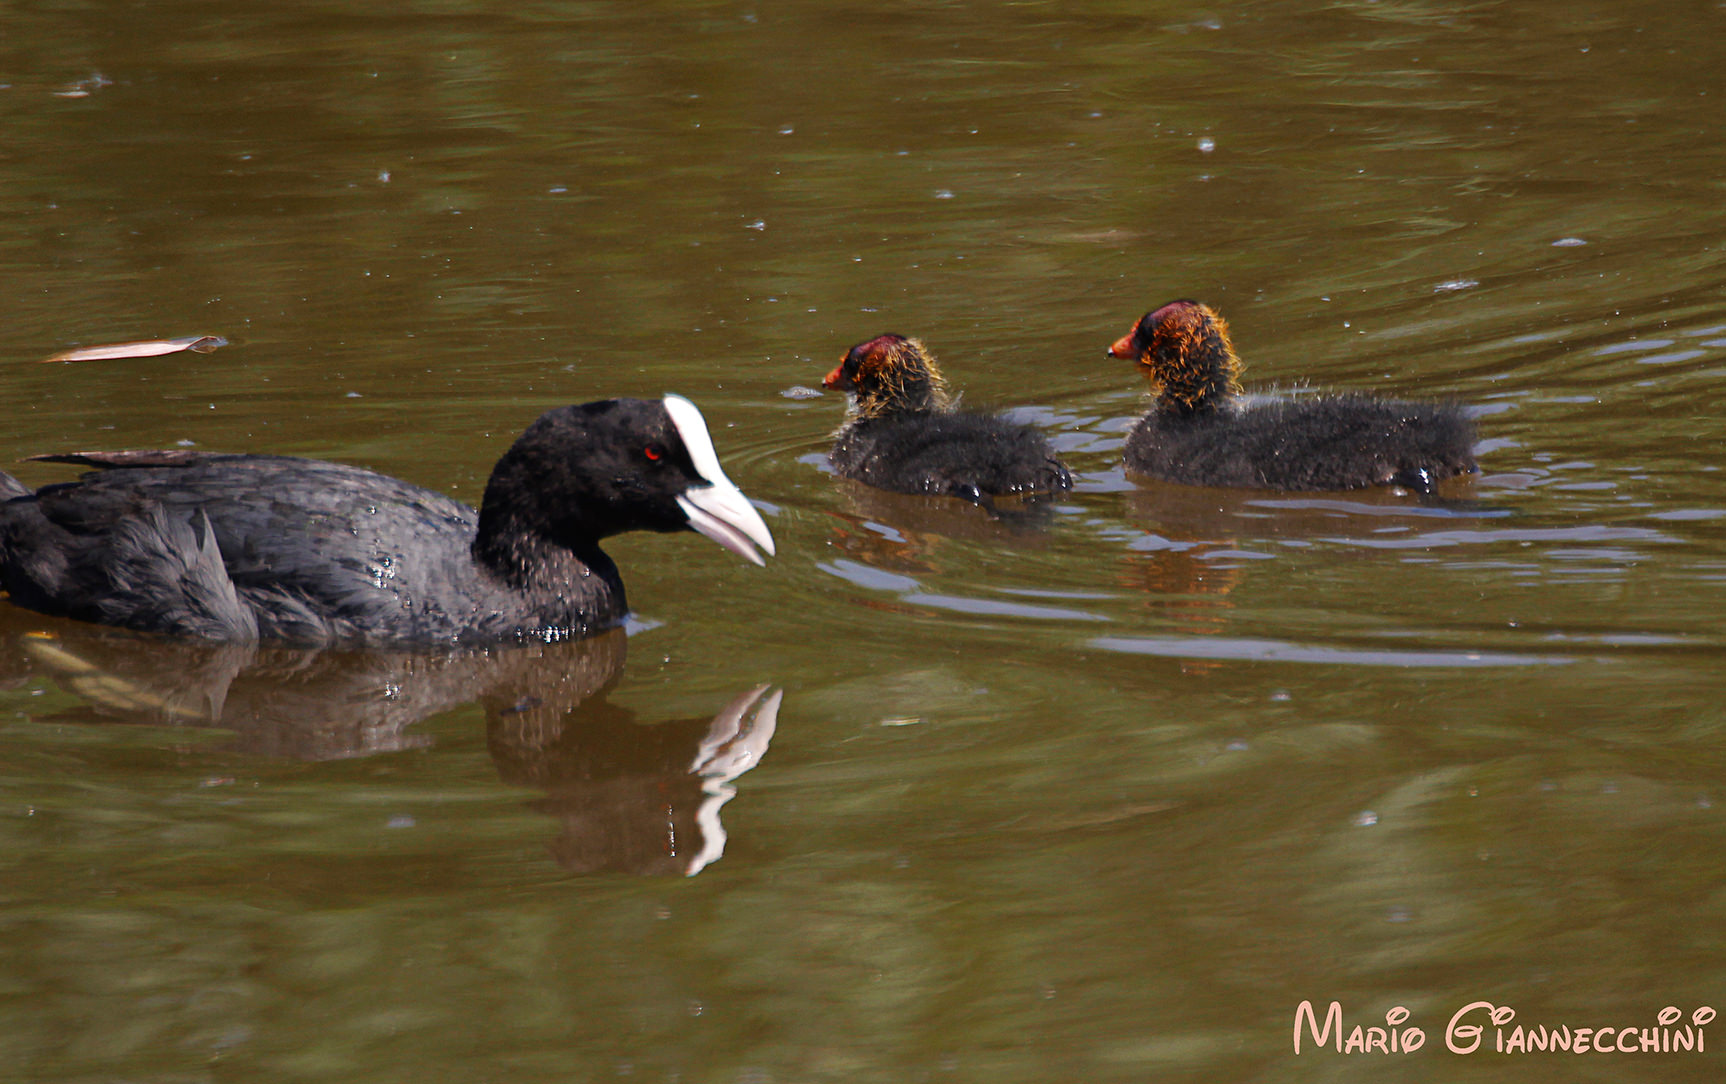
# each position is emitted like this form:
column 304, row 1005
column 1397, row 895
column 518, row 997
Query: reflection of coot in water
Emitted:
column 1202, row 431
column 630, row 797
column 638, row 798
column 244, row 547
column 312, row 703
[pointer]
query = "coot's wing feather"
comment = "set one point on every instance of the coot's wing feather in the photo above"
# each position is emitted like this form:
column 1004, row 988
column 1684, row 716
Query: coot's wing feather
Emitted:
column 312, row 551
column 327, row 551
column 154, row 570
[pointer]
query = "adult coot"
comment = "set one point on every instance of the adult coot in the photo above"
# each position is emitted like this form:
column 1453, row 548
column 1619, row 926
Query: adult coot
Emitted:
column 902, row 431
column 244, row 547
column 1201, row 432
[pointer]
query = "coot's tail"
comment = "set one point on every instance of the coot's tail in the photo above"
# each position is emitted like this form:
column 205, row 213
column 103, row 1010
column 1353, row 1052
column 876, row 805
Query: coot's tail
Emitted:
column 11, row 487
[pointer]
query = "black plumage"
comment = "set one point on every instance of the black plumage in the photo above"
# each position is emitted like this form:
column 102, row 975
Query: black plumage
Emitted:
column 246, row 547
column 1331, row 443
column 903, row 432
column 1202, row 431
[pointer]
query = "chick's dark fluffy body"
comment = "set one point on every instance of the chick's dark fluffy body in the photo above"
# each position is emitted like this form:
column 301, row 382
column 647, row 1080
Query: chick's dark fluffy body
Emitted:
column 1338, row 442
column 1203, row 431
column 905, row 434
column 942, row 453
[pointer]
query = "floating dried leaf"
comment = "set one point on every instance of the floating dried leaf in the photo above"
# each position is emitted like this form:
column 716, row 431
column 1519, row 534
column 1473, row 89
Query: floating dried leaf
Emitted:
column 81, row 88
column 198, row 344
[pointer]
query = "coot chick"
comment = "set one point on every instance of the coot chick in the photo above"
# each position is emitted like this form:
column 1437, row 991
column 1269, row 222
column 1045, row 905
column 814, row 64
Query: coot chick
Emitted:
column 1201, row 432
column 903, row 432
column 247, row 547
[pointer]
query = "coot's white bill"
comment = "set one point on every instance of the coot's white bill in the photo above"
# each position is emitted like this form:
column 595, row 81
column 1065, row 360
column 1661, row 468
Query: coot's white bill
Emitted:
column 718, row 510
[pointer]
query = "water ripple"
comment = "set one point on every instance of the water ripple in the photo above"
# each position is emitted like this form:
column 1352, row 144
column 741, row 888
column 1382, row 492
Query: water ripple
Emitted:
column 1587, row 533
column 1178, row 647
column 998, row 608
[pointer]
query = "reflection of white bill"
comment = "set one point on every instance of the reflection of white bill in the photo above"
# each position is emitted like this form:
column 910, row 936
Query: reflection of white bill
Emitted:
column 732, row 746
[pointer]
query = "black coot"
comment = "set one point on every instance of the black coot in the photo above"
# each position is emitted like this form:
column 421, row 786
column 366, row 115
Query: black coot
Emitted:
column 1201, row 432
column 903, row 433
column 245, row 547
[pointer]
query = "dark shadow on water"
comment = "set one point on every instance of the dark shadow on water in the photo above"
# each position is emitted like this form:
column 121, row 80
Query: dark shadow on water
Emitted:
column 1195, row 512
column 628, row 797
column 903, row 531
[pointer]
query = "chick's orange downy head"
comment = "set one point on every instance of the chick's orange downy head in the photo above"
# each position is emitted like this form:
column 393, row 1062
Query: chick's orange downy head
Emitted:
column 887, row 373
column 1186, row 351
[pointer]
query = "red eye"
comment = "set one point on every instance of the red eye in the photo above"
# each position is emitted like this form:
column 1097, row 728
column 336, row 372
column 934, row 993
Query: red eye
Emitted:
column 653, row 453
